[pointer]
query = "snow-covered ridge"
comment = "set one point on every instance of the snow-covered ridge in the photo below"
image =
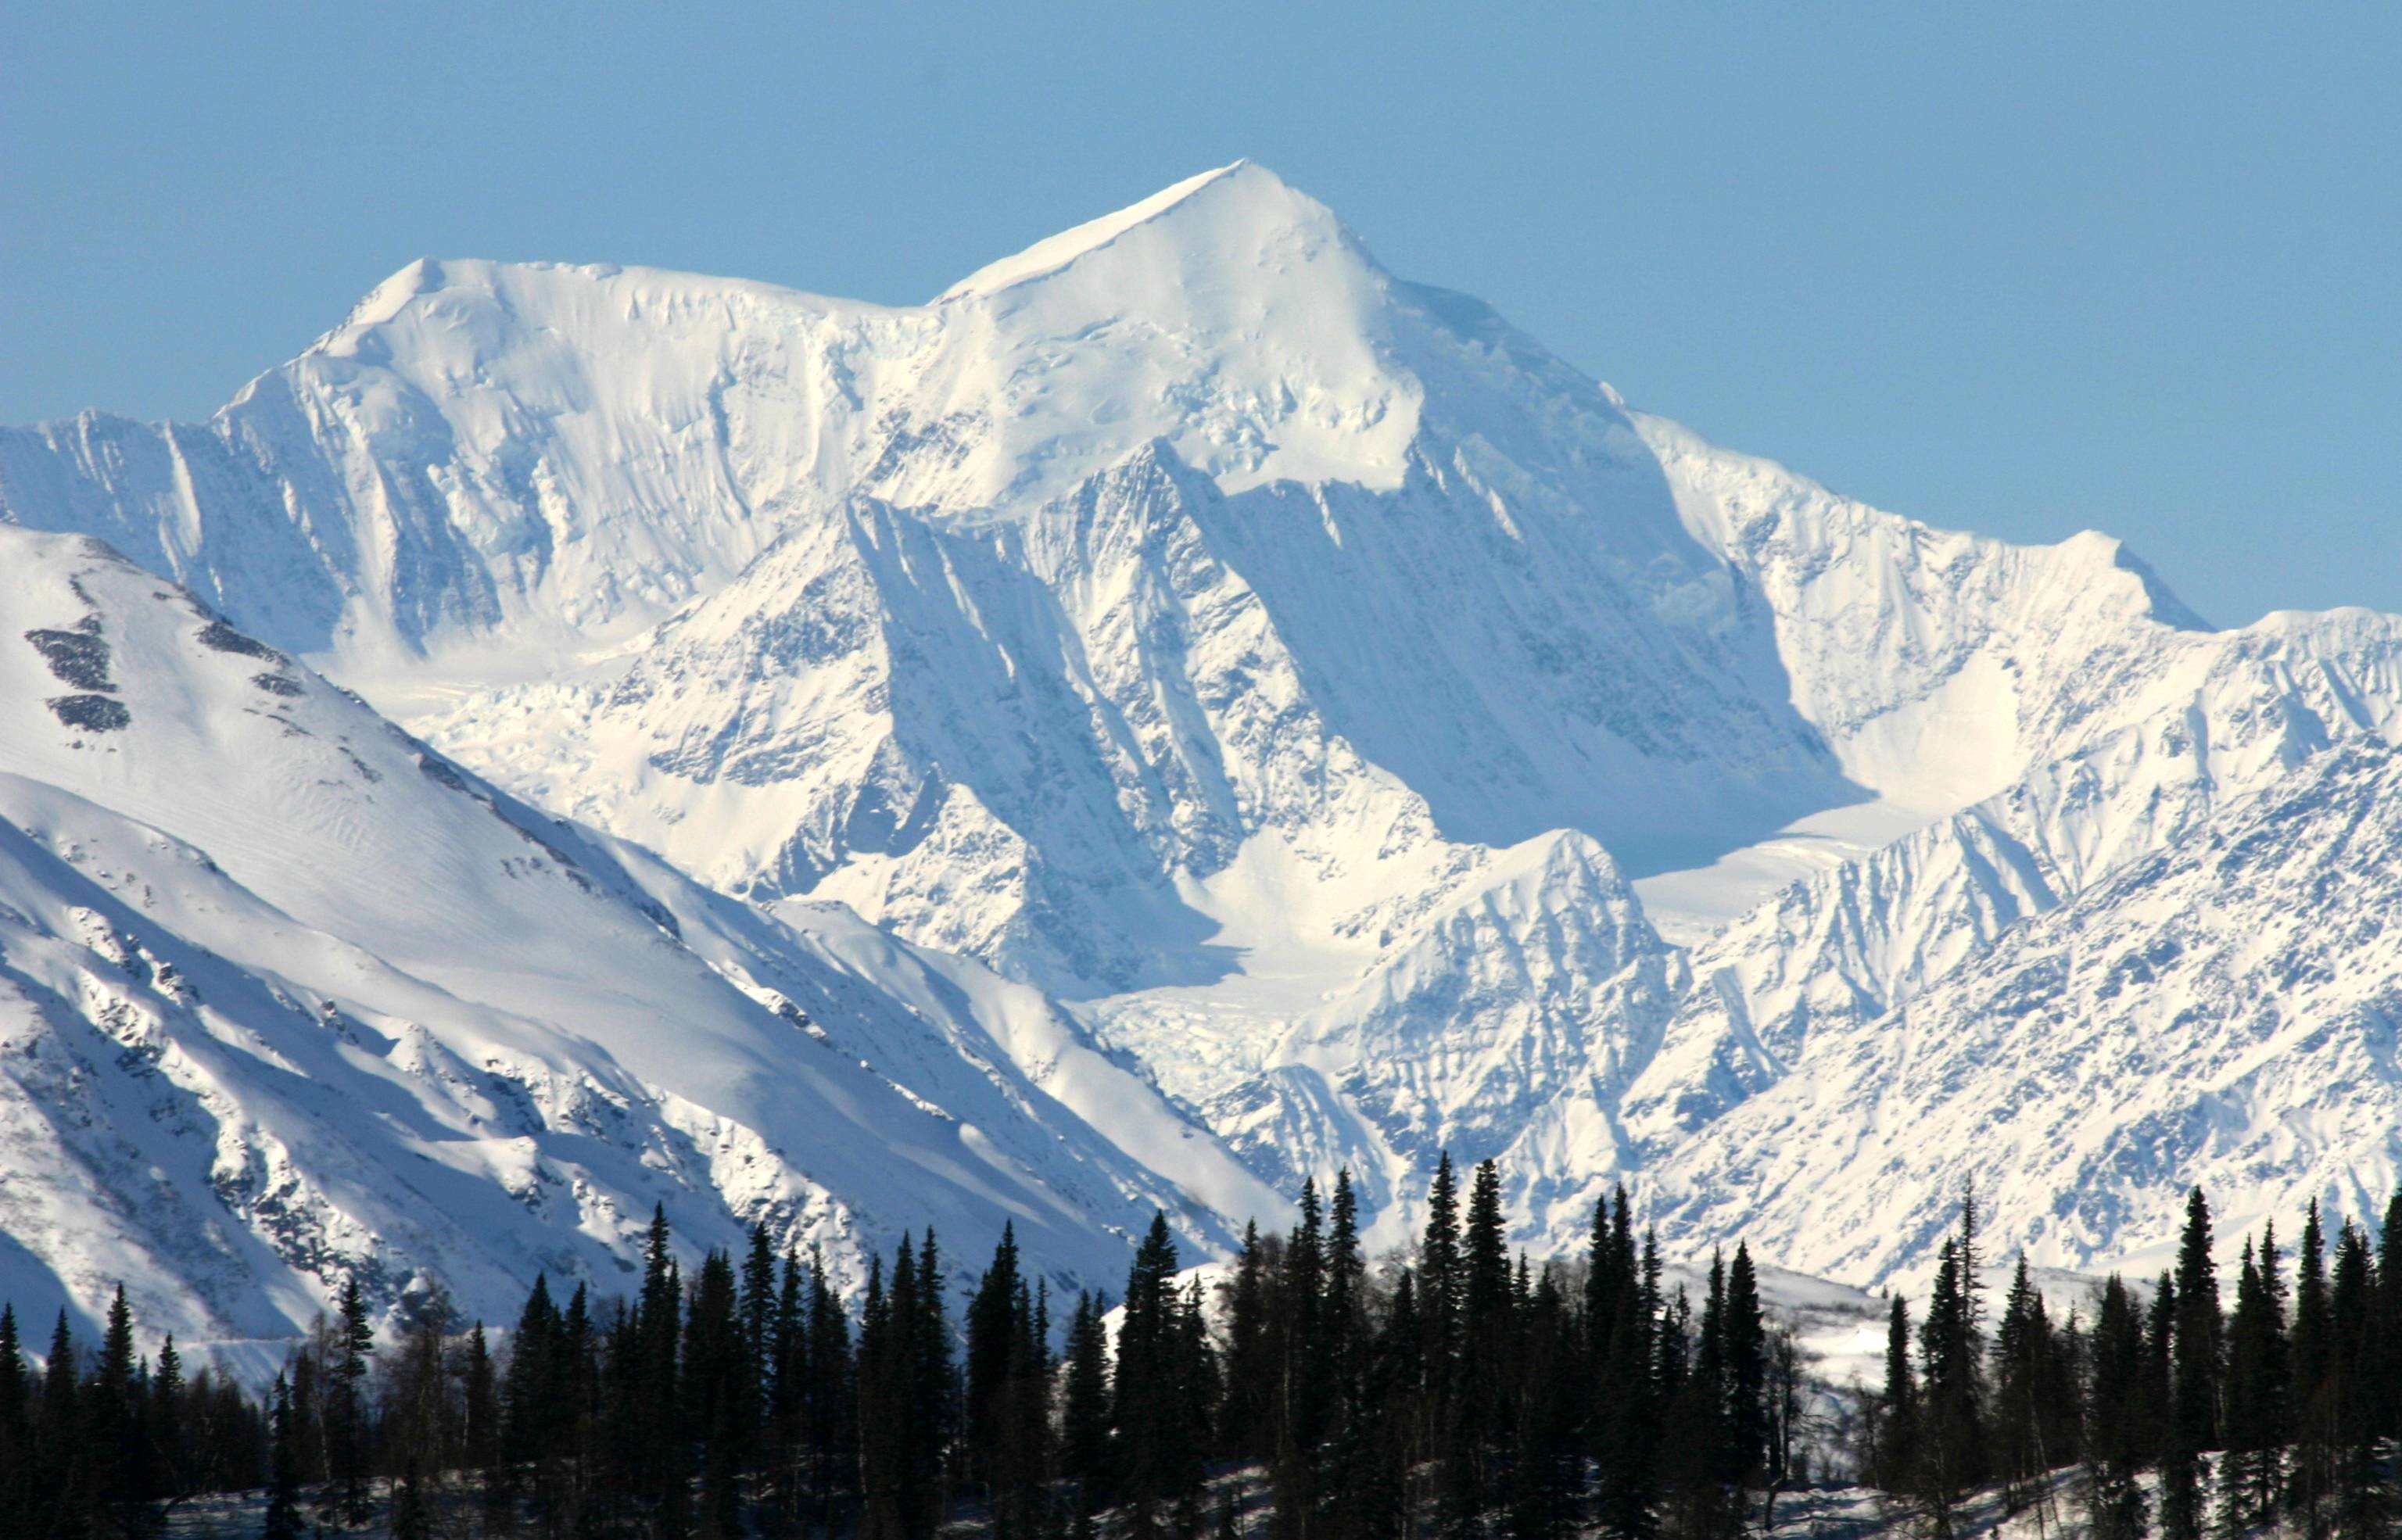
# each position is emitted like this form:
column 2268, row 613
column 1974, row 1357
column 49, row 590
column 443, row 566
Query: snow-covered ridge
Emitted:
column 1280, row 684
column 1053, row 253
column 2221, row 1013
column 361, row 1011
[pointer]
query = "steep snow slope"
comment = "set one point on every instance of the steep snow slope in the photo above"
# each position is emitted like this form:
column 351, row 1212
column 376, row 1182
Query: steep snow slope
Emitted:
column 1941, row 666
column 283, row 994
column 1337, row 701
column 2205, row 720
column 501, row 463
column 2222, row 1012
column 1190, row 548
column 1497, row 1010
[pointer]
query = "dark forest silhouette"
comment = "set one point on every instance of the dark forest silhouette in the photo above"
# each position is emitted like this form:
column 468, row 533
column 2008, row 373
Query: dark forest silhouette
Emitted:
column 1460, row 1393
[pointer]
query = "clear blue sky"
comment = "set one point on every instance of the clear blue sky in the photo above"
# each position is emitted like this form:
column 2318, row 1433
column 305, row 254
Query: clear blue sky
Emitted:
column 2024, row 269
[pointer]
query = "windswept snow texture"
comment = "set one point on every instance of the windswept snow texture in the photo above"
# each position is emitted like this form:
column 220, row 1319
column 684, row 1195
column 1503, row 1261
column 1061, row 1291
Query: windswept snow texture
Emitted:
column 360, row 1012
column 1276, row 712
column 2224, row 1013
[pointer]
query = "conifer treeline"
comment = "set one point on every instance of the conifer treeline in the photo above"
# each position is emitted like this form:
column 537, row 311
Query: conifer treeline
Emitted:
column 2277, row 1409
column 1468, row 1390
column 99, row 1437
column 1461, row 1392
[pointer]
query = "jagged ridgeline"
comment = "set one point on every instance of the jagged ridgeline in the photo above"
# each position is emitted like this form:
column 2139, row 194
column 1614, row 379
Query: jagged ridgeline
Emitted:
column 1302, row 1389
column 1183, row 710
column 288, row 998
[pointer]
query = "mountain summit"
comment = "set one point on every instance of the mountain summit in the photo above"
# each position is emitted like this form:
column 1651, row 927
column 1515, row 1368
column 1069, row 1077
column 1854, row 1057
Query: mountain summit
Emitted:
column 1217, row 221
column 1286, row 685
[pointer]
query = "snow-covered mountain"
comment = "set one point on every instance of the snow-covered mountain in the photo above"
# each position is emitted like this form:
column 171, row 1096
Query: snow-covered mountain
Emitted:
column 283, row 993
column 2224, row 1011
column 1290, row 688
column 2158, row 746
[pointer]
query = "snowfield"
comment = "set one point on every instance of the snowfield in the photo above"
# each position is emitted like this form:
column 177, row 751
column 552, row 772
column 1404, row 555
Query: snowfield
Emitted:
column 1183, row 710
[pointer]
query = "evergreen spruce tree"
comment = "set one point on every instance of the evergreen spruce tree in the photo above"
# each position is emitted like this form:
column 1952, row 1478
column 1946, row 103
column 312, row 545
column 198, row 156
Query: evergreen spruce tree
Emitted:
column 886, row 1495
column 1393, row 1434
column 579, row 1427
column 2160, row 1375
column 169, row 1473
column 1006, row 1412
column 346, row 1452
column 759, row 1302
column 786, row 1392
column 755, row 1384
column 831, row 1411
column 1951, row 1447
column 1345, row 1343
column 1973, row 1283
column 57, row 1447
column 2360, row 1489
column 94, row 1501
column 2201, row 1327
column 1486, row 1251
column 1601, row 1309
column 1245, row 1430
column 284, row 1521
column 1608, row 1276
column 2023, row 1362
column 2253, row 1423
column 308, row 1433
column 914, row 1470
column 1344, row 1315
column 1084, row 1409
column 1196, row 1393
column 1627, row 1414
column 789, row 1358
column 529, row 1409
column 2385, row 1372
column 2193, row 1397
column 1441, row 1294
column 651, row 1441
column 2316, row 1392
column 1747, row 1373
column 994, row 1326
column 1025, row 1448
column 1154, row 1395
column 715, row 1373
column 1487, row 1319
column 2116, row 1507
column 16, row 1429
column 1545, row 1467
column 1298, row 1405
column 1894, row 1448
column 479, row 1433
column 934, row 1386
column 1442, row 1279
column 1696, row 1501
column 2279, row 1347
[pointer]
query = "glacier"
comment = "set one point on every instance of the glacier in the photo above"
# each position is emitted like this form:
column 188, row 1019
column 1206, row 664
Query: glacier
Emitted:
column 1217, row 707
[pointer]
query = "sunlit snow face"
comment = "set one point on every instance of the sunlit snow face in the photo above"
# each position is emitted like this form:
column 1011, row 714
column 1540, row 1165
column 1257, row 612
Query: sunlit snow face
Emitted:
column 1199, row 643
